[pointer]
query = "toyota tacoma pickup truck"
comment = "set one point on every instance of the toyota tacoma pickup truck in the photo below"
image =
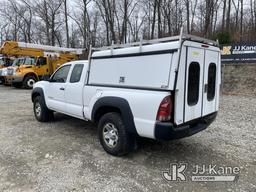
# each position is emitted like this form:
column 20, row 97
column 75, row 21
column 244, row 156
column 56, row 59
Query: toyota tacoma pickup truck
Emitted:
column 160, row 89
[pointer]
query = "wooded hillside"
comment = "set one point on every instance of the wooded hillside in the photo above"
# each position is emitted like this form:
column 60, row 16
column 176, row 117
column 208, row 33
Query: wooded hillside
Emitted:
column 79, row 23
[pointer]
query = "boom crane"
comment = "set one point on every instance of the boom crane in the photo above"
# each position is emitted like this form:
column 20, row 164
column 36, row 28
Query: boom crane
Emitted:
column 12, row 48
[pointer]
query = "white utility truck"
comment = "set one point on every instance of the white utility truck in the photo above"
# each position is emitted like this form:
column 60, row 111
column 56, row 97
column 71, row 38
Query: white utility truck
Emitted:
column 161, row 89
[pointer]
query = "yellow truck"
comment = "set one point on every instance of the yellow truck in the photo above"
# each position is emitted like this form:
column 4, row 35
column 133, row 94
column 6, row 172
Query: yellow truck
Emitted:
column 38, row 61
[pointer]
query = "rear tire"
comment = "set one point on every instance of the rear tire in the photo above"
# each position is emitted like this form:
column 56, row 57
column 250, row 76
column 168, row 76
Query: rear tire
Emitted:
column 41, row 112
column 29, row 81
column 114, row 136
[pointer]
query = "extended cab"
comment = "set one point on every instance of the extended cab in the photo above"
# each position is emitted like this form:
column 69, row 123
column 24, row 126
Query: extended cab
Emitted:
column 161, row 89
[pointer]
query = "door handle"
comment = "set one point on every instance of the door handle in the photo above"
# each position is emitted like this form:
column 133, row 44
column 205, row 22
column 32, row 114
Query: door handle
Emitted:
column 62, row 88
column 205, row 88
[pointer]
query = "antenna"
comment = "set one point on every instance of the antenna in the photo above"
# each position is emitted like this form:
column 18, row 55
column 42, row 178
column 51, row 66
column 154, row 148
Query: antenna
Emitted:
column 181, row 33
column 141, row 41
column 112, row 47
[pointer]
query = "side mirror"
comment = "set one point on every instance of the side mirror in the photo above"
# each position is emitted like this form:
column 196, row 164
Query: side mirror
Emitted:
column 51, row 80
column 37, row 63
column 61, row 80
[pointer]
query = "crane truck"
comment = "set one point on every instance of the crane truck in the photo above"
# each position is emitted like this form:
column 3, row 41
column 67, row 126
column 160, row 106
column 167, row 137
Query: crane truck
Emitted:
column 39, row 61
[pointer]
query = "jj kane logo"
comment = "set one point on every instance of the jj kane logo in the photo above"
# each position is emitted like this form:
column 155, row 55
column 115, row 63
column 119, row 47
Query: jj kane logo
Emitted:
column 176, row 172
column 210, row 173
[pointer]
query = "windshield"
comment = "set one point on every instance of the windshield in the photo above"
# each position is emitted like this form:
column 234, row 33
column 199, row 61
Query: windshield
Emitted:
column 29, row 61
column 18, row 61
column 24, row 61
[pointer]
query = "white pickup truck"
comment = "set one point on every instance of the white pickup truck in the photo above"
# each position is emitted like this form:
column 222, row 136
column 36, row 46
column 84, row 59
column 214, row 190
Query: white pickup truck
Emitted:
column 161, row 89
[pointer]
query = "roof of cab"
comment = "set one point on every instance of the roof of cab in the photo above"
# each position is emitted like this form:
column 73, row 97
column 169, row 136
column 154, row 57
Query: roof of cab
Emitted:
column 77, row 62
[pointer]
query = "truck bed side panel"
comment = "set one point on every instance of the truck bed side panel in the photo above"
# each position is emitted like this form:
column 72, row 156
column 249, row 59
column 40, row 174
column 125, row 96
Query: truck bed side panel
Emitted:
column 144, row 113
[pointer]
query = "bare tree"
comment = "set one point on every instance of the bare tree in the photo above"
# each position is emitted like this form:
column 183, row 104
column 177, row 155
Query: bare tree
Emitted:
column 99, row 22
column 228, row 16
column 66, row 22
column 224, row 14
column 241, row 20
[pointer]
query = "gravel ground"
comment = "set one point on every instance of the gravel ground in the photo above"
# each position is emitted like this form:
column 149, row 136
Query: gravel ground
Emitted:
column 65, row 155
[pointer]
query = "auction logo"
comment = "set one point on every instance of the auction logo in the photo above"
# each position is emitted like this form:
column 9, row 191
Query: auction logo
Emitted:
column 209, row 173
column 176, row 172
column 226, row 50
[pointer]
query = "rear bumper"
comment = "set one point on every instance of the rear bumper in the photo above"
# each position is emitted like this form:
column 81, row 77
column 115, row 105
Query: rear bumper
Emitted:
column 168, row 131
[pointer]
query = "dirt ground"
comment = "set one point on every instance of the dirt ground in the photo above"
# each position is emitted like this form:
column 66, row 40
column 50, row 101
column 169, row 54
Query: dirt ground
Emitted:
column 65, row 155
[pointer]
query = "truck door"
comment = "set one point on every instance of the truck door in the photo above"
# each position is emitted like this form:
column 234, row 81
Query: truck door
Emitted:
column 74, row 90
column 193, row 83
column 56, row 89
column 42, row 68
column 210, row 82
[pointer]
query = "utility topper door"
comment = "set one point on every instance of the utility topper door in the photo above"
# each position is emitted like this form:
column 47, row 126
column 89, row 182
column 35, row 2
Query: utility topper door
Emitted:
column 210, row 94
column 193, row 83
column 201, row 83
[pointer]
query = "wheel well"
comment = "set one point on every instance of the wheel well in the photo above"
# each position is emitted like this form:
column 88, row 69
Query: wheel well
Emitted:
column 31, row 74
column 104, row 110
column 34, row 95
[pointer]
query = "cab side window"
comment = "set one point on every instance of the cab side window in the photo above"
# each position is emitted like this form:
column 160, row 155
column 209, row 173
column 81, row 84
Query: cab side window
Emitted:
column 61, row 75
column 41, row 61
column 76, row 73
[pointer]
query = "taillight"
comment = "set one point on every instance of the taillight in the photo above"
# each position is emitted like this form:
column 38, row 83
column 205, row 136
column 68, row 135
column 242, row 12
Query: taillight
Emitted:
column 205, row 46
column 165, row 110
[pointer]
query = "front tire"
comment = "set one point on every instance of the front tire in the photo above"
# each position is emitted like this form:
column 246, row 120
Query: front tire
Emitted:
column 29, row 81
column 41, row 112
column 114, row 136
